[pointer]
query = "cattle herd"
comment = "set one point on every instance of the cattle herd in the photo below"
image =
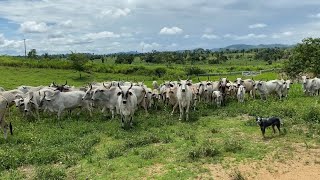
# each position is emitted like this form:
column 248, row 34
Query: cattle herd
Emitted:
column 124, row 98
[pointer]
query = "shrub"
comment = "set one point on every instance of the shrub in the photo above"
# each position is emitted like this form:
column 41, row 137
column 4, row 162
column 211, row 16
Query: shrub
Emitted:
column 194, row 71
column 313, row 115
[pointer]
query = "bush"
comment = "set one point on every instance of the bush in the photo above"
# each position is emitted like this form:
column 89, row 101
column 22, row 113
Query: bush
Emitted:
column 194, row 71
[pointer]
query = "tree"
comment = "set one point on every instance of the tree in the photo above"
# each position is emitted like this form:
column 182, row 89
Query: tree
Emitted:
column 305, row 58
column 32, row 53
column 78, row 61
column 124, row 59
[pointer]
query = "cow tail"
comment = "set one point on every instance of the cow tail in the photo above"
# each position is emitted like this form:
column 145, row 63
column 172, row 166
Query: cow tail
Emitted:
column 10, row 126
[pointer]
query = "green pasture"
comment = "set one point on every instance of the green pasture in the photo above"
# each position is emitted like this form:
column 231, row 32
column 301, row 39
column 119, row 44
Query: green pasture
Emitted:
column 159, row 146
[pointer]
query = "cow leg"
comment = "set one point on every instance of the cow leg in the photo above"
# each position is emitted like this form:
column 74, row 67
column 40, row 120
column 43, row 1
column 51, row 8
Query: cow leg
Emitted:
column 4, row 126
column 181, row 111
column 174, row 107
column 122, row 121
column 278, row 126
column 187, row 111
column 131, row 120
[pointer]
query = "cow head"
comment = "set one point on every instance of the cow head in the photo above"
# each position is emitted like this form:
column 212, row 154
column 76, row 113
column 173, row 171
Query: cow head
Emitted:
column 28, row 102
column 18, row 101
column 183, row 84
column 125, row 94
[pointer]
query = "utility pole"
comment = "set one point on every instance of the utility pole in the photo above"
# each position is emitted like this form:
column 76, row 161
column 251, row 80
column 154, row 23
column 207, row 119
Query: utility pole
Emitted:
column 25, row 48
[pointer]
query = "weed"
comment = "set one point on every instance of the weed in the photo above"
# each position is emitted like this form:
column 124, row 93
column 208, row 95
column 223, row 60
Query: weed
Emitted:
column 50, row 173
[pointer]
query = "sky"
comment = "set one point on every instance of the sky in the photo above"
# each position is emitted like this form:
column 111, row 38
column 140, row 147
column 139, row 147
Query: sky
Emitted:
column 110, row 26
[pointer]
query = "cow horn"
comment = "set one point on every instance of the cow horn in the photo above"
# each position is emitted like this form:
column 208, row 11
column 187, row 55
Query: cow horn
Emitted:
column 104, row 85
column 66, row 83
column 130, row 87
column 53, row 83
column 90, row 86
column 119, row 86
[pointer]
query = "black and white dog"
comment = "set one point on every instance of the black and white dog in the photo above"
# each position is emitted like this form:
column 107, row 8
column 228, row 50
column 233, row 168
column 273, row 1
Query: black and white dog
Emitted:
column 266, row 122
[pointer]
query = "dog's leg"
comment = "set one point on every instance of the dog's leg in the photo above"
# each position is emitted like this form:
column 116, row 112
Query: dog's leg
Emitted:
column 274, row 131
column 263, row 131
column 278, row 126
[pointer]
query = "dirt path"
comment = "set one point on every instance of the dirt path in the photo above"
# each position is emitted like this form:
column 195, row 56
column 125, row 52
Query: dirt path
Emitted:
column 297, row 164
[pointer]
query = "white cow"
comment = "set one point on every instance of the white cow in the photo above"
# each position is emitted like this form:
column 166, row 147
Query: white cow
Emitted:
column 127, row 103
column 184, row 96
column 240, row 94
column 10, row 95
column 286, row 87
column 61, row 101
column 249, row 84
column 306, row 85
column 171, row 97
column 108, row 97
column 269, row 87
column 155, row 85
column 4, row 105
column 26, row 89
column 217, row 97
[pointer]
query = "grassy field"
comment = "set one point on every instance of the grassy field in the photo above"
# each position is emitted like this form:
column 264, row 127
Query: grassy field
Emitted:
column 159, row 146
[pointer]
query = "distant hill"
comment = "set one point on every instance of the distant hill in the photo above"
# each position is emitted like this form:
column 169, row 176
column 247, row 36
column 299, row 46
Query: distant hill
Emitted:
column 246, row 46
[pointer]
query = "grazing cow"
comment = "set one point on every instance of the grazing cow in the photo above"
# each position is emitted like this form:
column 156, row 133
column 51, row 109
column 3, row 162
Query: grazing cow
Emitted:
column 61, row 101
column 217, row 97
column 184, row 96
column 269, row 87
column 127, row 102
column 240, row 94
column 4, row 105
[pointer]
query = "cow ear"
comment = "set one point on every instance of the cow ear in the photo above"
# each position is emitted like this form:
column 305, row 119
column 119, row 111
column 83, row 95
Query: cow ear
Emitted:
column 119, row 93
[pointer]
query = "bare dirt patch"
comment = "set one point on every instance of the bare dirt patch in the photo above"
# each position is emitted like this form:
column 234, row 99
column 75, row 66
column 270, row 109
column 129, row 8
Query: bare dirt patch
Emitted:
column 28, row 171
column 298, row 163
column 154, row 170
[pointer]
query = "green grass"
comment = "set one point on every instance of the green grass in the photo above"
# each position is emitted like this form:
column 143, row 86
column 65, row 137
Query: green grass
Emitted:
column 158, row 147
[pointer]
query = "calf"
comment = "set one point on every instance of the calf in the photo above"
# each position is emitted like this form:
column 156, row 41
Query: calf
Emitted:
column 266, row 122
column 217, row 97
column 240, row 94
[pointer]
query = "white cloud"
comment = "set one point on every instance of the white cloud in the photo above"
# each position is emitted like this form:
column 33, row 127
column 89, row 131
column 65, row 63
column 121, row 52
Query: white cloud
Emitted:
column 244, row 37
column 115, row 13
column 209, row 36
column 33, row 27
column 314, row 15
column 186, row 36
column 67, row 23
column 282, row 35
column 171, row 31
column 151, row 46
column 5, row 43
column 258, row 25
column 101, row 35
